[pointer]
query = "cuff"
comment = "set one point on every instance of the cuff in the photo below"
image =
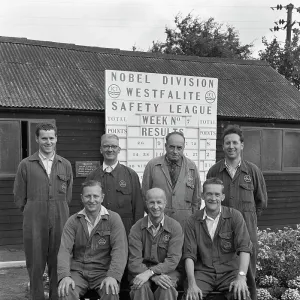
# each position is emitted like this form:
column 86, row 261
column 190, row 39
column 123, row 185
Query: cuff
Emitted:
column 115, row 275
column 62, row 276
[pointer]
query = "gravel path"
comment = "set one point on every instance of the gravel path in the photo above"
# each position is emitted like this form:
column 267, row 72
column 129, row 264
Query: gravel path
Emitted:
column 13, row 284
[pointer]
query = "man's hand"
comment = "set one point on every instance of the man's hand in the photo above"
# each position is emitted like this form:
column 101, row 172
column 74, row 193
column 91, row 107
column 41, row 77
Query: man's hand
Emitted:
column 63, row 287
column 193, row 292
column 164, row 281
column 240, row 288
column 111, row 283
column 140, row 279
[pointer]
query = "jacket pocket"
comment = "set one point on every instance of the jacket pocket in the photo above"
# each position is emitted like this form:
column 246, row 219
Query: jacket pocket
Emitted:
column 101, row 240
column 123, row 198
column 62, row 183
column 226, row 241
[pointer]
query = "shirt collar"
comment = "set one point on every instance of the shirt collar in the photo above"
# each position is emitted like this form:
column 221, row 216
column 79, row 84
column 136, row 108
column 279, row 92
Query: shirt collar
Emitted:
column 229, row 167
column 160, row 224
column 103, row 211
column 112, row 166
column 43, row 157
column 206, row 216
column 178, row 163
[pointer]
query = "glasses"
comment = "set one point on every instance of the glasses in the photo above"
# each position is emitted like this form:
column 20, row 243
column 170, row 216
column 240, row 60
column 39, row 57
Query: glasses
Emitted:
column 113, row 147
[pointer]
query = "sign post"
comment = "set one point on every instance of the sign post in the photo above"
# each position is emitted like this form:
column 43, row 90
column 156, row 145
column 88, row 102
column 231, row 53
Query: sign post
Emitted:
column 142, row 108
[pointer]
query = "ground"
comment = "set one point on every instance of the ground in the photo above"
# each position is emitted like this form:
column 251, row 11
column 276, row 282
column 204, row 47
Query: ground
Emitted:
column 13, row 284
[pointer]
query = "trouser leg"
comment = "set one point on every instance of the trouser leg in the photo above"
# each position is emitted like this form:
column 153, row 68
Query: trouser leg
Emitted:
column 81, row 287
column 143, row 293
column 36, row 240
column 168, row 294
column 109, row 296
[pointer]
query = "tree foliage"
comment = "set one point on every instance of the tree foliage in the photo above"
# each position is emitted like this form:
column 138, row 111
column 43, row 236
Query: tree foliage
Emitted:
column 284, row 58
column 209, row 38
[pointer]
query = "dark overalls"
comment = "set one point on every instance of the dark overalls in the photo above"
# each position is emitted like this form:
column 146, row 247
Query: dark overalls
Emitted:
column 246, row 192
column 44, row 202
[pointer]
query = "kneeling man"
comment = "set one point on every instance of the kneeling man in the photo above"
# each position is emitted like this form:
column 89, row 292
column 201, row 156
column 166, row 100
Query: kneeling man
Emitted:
column 155, row 247
column 217, row 248
column 93, row 251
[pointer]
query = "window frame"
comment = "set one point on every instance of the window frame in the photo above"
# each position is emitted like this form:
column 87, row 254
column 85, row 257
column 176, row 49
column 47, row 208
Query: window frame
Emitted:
column 283, row 130
column 29, row 122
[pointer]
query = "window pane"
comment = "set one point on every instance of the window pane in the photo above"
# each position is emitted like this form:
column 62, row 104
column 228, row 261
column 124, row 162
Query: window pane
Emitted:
column 271, row 150
column 291, row 149
column 251, row 150
column 10, row 147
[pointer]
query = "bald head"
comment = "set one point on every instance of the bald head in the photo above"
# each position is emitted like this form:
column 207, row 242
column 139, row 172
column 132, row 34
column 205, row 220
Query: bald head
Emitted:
column 156, row 193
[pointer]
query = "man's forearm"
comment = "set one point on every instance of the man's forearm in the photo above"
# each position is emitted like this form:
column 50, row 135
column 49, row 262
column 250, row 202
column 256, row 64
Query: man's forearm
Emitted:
column 244, row 261
column 189, row 268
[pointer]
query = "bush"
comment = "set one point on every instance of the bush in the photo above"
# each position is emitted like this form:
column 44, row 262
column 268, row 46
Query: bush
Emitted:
column 278, row 264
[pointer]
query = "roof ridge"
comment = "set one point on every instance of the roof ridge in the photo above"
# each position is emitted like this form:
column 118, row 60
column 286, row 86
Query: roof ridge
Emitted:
column 119, row 52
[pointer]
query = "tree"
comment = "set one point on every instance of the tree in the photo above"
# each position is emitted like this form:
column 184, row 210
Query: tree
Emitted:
column 283, row 58
column 202, row 38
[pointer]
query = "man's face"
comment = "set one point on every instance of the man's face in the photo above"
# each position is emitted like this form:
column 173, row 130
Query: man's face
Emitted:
column 92, row 198
column 110, row 150
column 174, row 147
column 213, row 196
column 46, row 141
column 232, row 146
column 156, row 204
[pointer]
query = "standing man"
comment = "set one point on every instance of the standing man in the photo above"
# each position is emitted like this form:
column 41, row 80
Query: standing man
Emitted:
column 177, row 176
column 121, row 185
column 155, row 247
column 217, row 248
column 245, row 189
column 43, row 191
column 94, row 249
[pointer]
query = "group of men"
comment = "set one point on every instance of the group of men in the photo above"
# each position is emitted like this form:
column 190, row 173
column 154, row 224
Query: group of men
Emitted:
column 175, row 244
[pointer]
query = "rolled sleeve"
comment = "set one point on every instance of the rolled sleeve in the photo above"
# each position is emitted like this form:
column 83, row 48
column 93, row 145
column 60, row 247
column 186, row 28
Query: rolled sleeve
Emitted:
column 190, row 240
column 241, row 235
column 174, row 252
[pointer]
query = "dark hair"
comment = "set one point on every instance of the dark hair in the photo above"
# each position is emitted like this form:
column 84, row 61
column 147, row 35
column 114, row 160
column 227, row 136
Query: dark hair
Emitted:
column 46, row 127
column 91, row 183
column 233, row 129
column 174, row 132
column 213, row 180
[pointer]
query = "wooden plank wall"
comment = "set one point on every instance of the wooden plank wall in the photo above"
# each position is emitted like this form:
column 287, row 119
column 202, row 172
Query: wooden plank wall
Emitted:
column 78, row 139
column 283, row 188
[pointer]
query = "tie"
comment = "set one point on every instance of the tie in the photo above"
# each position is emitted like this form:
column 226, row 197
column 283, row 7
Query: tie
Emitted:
column 108, row 169
column 172, row 172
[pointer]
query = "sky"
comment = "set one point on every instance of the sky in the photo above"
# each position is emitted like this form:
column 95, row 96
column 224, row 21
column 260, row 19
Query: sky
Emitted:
column 123, row 24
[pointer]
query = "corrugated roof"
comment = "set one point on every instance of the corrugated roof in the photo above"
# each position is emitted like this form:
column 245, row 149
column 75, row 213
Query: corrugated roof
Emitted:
column 36, row 74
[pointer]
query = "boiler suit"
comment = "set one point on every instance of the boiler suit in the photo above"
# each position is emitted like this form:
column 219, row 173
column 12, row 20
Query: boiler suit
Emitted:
column 44, row 203
column 247, row 193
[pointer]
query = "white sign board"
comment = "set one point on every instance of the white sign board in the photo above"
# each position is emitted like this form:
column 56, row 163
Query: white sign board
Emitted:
column 142, row 108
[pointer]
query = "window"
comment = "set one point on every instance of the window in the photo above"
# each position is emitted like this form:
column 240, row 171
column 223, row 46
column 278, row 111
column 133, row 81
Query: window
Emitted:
column 17, row 141
column 273, row 150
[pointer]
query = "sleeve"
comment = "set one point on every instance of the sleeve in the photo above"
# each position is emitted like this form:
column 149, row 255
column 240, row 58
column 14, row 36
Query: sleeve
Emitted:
column 70, row 183
column 242, row 240
column 135, row 261
column 260, row 192
column 210, row 173
column 190, row 241
column 196, row 201
column 119, row 248
column 147, row 182
column 66, row 248
column 137, row 198
column 174, row 252
column 20, row 186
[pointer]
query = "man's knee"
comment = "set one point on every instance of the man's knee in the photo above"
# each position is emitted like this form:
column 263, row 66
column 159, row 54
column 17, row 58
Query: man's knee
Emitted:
column 166, row 294
column 144, row 292
column 107, row 296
